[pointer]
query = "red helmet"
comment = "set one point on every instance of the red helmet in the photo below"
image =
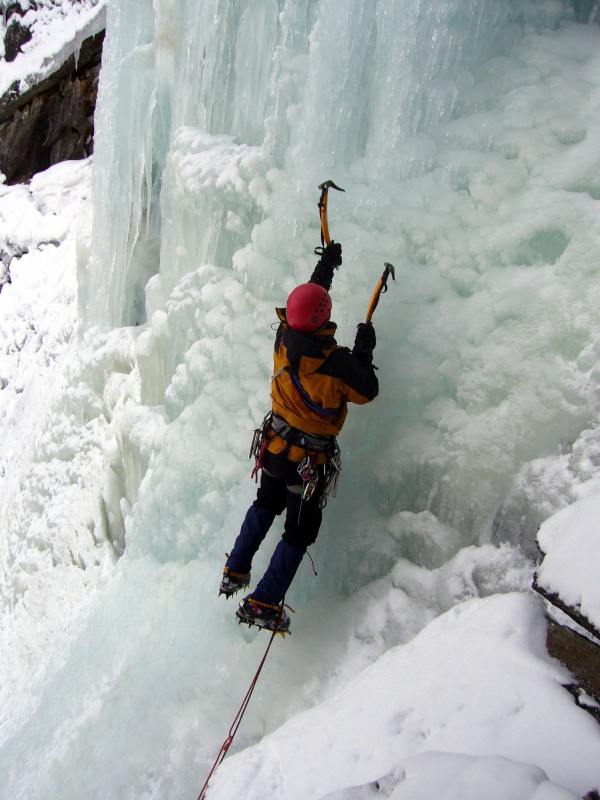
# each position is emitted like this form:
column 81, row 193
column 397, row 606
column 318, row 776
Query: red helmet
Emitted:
column 308, row 307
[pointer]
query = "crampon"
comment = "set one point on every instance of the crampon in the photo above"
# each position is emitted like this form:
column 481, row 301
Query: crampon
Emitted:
column 264, row 615
column 232, row 582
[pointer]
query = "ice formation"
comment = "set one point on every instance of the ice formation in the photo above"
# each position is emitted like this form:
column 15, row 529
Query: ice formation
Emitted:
column 464, row 133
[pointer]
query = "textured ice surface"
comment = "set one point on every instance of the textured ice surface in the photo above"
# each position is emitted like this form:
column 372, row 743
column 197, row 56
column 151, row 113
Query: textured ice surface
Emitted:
column 465, row 136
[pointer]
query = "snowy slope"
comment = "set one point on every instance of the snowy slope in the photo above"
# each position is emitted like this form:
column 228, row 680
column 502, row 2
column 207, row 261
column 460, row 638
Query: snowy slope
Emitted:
column 417, row 656
column 465, row 709
column 54, row 418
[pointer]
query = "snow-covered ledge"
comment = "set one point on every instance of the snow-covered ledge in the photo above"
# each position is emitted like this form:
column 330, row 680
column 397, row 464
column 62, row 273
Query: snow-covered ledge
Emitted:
column 568, row 575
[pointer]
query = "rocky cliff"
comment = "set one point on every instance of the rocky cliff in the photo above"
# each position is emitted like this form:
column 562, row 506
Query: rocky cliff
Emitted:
column 47, row 118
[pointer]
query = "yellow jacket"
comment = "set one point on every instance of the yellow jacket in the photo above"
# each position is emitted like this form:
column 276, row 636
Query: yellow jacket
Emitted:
column 314, row 380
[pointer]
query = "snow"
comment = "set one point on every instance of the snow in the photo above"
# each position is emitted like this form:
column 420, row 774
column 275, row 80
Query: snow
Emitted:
column 53, row 415
column 135, row 355
column 570, row 541
column 58, row 29
column 470, row 691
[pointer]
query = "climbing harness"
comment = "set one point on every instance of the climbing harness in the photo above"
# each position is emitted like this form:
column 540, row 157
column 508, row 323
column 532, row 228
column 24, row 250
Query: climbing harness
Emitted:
column 241, row 711
column 322, row 204
column 293, row 436
column 272, row 425
column 380, row 289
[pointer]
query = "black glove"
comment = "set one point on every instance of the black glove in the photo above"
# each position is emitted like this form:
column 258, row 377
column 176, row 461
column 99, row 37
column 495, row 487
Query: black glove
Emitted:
column 331, row 258
column 365, row 341
column 332, row 255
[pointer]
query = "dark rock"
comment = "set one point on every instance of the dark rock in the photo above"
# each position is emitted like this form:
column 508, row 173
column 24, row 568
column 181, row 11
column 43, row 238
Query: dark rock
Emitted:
column 571, row 611
column 16, row 8
column 581, row 656
column 54, row 120
column 16, row 36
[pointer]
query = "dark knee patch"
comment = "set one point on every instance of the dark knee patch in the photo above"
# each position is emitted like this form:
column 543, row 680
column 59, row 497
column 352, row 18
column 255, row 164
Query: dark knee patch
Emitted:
column 299, row 539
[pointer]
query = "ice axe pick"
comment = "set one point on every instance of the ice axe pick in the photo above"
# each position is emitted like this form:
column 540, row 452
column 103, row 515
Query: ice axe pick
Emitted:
column 380, row 289
column 325, row 187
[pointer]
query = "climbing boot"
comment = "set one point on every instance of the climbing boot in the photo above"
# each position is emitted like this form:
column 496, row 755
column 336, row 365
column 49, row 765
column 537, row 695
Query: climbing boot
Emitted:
column 232, row 582
column 263, row 615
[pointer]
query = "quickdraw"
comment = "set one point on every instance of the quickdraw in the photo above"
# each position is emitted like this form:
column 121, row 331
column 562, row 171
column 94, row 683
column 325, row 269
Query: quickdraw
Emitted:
column 333, row 468
column 260, row 441
column 307, row 469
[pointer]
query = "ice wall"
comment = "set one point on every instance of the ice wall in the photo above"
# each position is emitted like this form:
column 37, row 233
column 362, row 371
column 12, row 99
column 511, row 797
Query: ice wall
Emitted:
column 312, row 87
column 218, row 120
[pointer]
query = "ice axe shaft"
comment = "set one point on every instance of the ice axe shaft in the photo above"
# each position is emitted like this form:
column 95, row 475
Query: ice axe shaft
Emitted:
column 380, row 289
column 325, row 187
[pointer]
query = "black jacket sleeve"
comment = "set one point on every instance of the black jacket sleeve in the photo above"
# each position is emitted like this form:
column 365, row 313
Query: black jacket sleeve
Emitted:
column 358, row 375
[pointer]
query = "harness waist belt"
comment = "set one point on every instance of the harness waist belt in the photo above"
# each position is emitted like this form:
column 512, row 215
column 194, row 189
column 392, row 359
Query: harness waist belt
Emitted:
column 312, row 441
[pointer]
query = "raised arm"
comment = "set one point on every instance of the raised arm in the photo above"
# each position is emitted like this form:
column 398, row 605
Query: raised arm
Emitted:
column 331, row 259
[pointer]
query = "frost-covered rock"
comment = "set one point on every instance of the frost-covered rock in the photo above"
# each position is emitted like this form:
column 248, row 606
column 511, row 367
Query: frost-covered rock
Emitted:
column 569, row 540
column 55, row 29
column 48, row 83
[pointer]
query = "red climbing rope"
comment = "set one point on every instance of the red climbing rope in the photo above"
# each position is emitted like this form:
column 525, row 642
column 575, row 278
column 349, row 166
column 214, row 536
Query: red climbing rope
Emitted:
column 241, row 711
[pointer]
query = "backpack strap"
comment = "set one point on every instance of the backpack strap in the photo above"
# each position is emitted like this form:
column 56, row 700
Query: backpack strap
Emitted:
column 304, row 395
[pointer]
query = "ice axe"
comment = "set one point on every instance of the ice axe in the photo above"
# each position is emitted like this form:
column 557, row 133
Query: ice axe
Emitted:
column 380, row 289
column 325, row 187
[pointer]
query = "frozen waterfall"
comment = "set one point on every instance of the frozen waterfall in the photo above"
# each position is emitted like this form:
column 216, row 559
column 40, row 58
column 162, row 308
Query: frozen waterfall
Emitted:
column 464, row 133
column 458, row 136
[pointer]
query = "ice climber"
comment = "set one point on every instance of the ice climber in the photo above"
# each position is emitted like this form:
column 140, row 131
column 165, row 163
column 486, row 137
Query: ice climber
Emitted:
column 314, row 379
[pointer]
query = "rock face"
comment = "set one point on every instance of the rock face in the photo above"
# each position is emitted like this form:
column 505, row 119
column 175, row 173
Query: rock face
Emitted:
column 53, row 121
column 578, row 653
column 581, row 656
column 16, row 36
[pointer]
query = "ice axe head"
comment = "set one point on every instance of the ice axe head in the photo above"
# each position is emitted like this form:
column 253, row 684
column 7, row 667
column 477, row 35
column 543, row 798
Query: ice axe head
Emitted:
column 325, row 187
column 389, row 270
column 380, row 289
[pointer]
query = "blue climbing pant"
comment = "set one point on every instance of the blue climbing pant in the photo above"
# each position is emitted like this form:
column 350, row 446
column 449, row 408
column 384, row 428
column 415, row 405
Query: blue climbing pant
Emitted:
column 274, row 584
column 280, row 489
column 254, row 528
